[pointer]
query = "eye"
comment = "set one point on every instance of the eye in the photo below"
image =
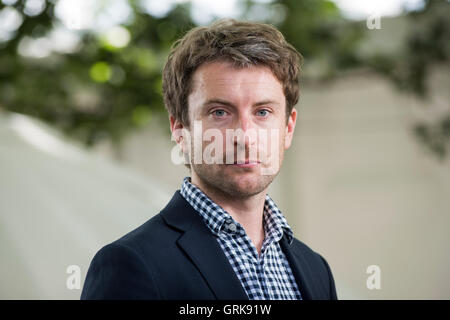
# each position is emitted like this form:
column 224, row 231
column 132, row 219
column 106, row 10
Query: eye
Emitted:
column 262, row 113
column 219, row 113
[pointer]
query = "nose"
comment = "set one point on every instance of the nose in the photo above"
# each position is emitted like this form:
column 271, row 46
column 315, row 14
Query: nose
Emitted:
column 244, row 122
column 245, row 133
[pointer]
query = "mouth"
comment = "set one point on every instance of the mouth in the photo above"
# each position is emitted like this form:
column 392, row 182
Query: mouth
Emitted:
column 246, row 164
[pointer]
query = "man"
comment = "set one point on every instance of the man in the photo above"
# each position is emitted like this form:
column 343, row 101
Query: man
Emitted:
column 221, row 236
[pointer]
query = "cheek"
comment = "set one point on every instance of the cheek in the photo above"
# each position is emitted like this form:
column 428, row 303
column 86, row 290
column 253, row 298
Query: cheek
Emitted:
column 277, row 137
column 269, row 142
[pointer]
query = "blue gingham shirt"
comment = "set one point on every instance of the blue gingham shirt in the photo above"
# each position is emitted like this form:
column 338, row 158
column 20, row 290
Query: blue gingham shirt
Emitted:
column 264, row 277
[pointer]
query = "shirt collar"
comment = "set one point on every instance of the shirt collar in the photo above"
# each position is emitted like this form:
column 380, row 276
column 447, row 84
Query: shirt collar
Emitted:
column 275, row 224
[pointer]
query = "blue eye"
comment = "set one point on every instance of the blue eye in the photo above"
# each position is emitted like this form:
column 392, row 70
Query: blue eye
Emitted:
column 263, row 113
column 219, row 113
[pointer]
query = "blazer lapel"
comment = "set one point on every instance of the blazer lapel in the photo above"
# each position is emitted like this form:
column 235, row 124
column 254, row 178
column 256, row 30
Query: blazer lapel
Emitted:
column 300, row 269
column 201, row 246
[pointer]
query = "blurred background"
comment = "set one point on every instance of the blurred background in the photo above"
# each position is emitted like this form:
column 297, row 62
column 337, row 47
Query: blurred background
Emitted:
column 85, row 148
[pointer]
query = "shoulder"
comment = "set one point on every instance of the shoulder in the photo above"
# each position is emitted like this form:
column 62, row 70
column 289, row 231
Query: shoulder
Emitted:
column 299, row 248
column 157, row 237
column 122, row 268
column 313, row 258
column 150, row 236
column 316, row 266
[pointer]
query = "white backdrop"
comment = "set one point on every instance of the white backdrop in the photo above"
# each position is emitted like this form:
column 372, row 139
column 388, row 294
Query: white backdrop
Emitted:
column 59, row 204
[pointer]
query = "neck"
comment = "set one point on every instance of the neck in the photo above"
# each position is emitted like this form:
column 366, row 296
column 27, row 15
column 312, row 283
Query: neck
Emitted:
column 247, row 211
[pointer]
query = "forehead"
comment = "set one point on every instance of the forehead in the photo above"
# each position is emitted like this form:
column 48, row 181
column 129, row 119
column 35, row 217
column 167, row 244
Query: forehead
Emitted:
column 216, row 77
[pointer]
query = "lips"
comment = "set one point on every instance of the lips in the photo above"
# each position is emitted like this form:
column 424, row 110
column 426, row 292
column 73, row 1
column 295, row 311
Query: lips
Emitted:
column 246, row 164
column 246, row 161
column 241, row 162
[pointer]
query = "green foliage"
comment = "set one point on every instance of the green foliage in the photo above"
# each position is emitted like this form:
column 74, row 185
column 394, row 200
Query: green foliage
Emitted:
column 99, row 91
column 317, row 29
column 111, row 84
column 427, row 46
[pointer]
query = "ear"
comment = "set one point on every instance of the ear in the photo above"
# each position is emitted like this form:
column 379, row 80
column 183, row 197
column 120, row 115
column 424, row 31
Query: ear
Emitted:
column 178, row 132
column 290, row 127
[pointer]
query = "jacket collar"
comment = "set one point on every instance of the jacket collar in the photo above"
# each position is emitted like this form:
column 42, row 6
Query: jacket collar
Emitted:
column 300, row 268
column 201, row 246
column 215, row 216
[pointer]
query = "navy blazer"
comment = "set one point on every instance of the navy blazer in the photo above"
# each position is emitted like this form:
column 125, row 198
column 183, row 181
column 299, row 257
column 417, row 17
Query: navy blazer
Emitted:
column 174, row 256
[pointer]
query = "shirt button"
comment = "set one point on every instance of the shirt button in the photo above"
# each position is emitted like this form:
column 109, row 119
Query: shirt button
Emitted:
column 232, row 227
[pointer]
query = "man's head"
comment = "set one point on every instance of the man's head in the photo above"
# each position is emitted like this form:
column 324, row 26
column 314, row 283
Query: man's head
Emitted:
column 233, row 77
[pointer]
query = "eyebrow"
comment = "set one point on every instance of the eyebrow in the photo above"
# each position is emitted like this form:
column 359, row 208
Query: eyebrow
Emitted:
column 229, row 104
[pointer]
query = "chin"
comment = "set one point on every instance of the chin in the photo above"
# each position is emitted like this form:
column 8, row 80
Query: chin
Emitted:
column 245, row 184
column 242, row 183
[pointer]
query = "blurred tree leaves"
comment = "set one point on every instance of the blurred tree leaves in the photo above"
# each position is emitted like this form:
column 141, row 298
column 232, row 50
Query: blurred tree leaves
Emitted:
column 100, row 91
column 111, row 83
column 426, row 46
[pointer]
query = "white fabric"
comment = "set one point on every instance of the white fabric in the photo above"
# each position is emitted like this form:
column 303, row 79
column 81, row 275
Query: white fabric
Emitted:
column 59, row 204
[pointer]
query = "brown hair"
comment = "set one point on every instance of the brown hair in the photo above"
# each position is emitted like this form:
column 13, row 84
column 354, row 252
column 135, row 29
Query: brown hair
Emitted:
column 242, row 43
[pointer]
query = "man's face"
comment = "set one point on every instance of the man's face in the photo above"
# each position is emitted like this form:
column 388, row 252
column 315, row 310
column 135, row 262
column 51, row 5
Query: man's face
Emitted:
column 241, row 112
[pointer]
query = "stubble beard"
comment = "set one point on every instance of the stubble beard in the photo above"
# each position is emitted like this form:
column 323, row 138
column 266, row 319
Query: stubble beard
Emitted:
column 215, row 178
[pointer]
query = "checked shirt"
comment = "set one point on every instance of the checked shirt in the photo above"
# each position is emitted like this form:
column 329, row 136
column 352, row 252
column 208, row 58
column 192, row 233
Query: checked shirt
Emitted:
column 267, row 276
